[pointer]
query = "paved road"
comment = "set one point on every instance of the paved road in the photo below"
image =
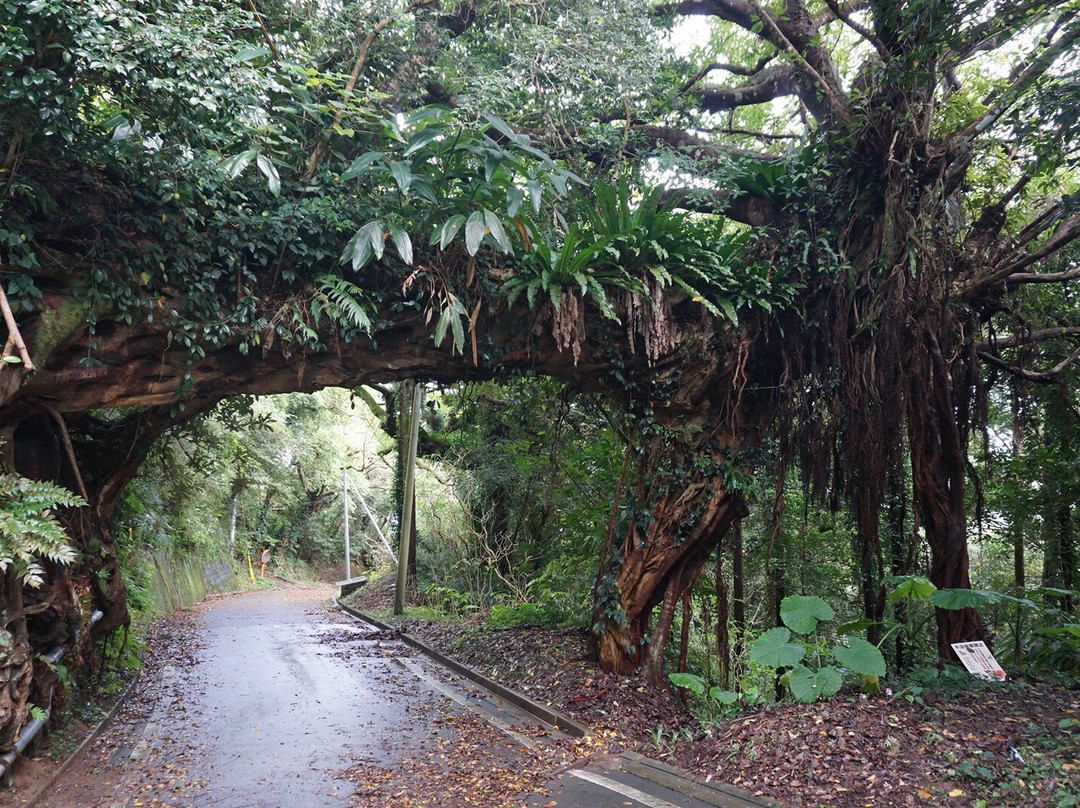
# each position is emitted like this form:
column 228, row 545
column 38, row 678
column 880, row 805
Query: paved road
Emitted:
column 282, row 700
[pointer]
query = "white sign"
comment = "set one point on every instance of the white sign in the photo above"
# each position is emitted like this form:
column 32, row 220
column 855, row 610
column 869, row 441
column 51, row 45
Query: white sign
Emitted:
column 978, row 660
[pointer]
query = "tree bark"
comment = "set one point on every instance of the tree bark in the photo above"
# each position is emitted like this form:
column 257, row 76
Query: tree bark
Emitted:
column 937, row 462
column 16, row 663
column 679, row 515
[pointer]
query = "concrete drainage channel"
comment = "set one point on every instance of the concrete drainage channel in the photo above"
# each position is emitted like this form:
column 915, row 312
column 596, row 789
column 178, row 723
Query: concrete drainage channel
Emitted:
column 718, row 795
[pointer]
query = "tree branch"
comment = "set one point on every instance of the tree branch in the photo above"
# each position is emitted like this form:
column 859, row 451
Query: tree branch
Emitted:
column 773, row 82
column 1066, row 232
column 265, row 33
column 1044, row 377
column 1049, row 277
column 1035, row 337
column 782, row 40
column 69, row 450
column 844, row 15
column 737, row 70
column 1021, row 78
column 14, row 338
column 744, row 208
column 992, row 218
column 319, row 152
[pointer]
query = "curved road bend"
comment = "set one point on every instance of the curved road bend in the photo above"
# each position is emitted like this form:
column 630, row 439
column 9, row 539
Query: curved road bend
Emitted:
column 283, row 700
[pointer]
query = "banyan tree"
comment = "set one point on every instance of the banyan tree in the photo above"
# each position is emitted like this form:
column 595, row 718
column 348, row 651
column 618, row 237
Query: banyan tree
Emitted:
column 820, row 222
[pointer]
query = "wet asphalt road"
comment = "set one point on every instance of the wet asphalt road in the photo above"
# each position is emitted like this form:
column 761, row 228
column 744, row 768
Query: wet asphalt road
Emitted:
column 278, row 699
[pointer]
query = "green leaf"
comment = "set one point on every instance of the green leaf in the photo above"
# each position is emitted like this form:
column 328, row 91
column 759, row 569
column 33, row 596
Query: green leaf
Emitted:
column 862, row 624
column 449, row 230
column 367, row 243
column 432, row 111
column 497, row 231
column 376, row 234
column 441, row 326
column 402, row 242
column 801, row 613
column 911, row 587
column 963, row 598
column 690, row 681
column 808, row 686
column 535, row 193
column 421, row 139
column 127, row 130
column 11, row 359
column 234, row 166
column 728, row 309
column 774, row 649
column 402, row 175
column 860, row 657
column 474, row 231
column 361, row 165
column 726, row 697
column 457, row 325
column 273, row 181
column 251, row 52
column 514, row 197
column 492, row 159
column 358, row 250
column 503, row 128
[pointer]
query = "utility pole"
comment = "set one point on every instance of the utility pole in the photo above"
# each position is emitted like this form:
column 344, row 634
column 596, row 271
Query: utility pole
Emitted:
column 345, row 505
column 407, row 515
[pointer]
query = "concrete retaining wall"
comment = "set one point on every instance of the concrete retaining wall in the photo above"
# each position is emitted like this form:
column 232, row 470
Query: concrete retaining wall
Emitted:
column 181, row 583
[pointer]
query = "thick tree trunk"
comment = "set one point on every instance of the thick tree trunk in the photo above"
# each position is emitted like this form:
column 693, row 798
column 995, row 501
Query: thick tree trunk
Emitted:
column 937, row 464
column 868, row 538
column 901, row 551
column 1059, row 565
column 682, row 509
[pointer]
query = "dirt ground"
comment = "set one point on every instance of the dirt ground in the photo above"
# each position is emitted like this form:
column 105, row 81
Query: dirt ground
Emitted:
column 986, row 745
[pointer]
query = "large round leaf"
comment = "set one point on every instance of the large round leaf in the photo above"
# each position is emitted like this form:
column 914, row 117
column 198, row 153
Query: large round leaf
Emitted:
column 692, row 682
column 808, row 686
column 911, row 587
column 860, row 657
column 774, row 650
column 801, row 613
column 725, row 697
column 963, row 598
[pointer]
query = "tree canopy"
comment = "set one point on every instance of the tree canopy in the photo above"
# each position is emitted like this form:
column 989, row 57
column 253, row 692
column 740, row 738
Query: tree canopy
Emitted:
column 855, row 217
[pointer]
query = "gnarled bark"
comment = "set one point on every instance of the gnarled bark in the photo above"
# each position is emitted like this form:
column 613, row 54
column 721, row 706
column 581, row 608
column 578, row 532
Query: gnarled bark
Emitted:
column 683, row 499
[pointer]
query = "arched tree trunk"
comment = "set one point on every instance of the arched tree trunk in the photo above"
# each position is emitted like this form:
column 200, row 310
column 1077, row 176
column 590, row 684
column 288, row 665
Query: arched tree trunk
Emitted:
column 680, row 511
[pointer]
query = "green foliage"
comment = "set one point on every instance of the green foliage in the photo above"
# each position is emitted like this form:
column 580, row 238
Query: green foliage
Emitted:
column 802, row 613
column 29, row 531
column 809, row 685
column 774, row 649
column 1050, row 639
column 634, row 242
column 533, row 467
column 520, row 615
column 860, row 657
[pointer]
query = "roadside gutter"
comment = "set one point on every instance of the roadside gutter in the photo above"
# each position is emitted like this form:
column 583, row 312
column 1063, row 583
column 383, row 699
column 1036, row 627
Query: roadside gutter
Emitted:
column 543, row 712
